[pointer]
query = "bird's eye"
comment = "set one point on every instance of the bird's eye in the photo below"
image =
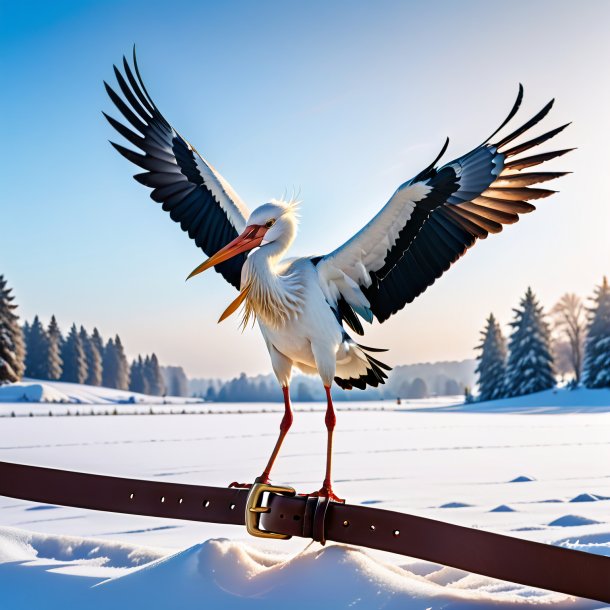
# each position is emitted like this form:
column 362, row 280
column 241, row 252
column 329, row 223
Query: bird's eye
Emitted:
column 270, row 223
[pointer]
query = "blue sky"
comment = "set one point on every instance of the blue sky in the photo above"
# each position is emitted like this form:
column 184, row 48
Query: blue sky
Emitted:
column 342, row 100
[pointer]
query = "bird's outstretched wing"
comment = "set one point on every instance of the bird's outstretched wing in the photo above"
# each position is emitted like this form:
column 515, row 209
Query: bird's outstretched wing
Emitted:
column 190, row 189
column 431, row 221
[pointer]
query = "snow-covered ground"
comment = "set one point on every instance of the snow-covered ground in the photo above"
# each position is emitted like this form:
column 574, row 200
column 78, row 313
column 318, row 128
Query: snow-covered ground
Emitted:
column 542, row 476
column 53, row 392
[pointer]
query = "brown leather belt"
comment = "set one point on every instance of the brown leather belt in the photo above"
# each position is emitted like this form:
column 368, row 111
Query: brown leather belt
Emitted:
column 285, row 514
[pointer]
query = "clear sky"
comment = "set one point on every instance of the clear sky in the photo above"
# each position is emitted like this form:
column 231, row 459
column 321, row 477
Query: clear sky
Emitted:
column 343, row 101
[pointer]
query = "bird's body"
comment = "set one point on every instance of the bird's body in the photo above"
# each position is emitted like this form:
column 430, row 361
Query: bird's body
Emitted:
column 309, row 308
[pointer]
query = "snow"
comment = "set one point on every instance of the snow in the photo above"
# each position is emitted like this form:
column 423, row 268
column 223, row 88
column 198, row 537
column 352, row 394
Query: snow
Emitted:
column 444, row 462
column 32, row 390
column 558, row 400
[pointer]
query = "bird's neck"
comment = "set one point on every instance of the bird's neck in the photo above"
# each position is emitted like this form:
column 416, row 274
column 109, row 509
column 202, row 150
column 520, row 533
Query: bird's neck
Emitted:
column 272, row 295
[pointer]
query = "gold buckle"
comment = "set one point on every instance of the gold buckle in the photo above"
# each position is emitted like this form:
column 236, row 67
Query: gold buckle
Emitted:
column 254, row 509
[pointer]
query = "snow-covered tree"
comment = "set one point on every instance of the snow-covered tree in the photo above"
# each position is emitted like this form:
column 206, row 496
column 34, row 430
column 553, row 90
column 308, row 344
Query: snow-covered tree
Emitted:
column 73, row 356
column 12, row 348
column 153, row 375
column 419, row 389
column 491, row 368
column 570, row 327
column 123, row 369
column 110, row 365
column 175, row 380
column 137, row 380
column 115, row 369
column 25, row 332
column 530, row 363
column 55, row 363
column 597, row 348
column 93, row 357
column 37, row 351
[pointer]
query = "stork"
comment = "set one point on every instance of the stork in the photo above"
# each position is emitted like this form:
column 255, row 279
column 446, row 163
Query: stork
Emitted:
column 305, row 306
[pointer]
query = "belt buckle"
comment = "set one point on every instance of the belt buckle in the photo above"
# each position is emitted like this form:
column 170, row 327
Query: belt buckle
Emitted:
column 254, row 508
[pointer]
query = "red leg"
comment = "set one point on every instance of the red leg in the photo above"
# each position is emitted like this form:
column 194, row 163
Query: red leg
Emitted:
column 330, row 420
column 284, row 427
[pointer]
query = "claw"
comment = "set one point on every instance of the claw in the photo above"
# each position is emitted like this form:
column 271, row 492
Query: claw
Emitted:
column 325, row 492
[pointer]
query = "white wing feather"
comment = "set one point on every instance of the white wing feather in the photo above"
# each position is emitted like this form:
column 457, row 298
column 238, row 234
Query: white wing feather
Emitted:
column 343, row 271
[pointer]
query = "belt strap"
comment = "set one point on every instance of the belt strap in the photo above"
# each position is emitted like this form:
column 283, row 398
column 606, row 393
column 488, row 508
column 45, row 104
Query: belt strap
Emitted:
column 495, row 555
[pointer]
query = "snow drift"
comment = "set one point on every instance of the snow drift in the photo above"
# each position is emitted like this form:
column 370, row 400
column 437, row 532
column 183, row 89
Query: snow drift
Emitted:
column 53, row 572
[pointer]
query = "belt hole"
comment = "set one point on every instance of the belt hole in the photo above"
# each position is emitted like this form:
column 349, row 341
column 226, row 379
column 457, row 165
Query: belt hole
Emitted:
column 206, row 503
column 281, row 516
column 179, row 500
column 396, row 533
column 162, row 498
column 131, row 496
column 232, row 507
column 372, row 527
column 346, row 523
column 296, row 517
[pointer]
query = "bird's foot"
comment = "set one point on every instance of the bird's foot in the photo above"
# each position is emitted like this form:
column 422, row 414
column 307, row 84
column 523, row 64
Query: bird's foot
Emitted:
column 262, row 479
column 326, row 491
column 240, row 485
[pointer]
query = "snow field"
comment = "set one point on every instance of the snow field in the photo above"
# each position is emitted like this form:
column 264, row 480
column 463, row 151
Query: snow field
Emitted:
column 551, row 470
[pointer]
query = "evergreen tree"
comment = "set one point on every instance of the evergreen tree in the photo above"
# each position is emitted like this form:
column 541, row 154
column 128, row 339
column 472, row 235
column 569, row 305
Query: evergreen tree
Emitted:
column 37, row 351
column 153, row 376
column 211, row 395
column 175, row 380
column 110, row 366
column 97, row 341
column 492, row 361
column 597, row 347
column 73, row 356
column 123, row 365
column 137, row 380
column 12, row 347
column 419, row 389
column 26, row 328
column 530, row 363
column 55, row 363
column 93, row 357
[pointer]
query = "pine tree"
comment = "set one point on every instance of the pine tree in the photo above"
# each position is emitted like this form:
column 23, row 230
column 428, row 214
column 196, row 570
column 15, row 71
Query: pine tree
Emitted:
column 73, row 356
column 12, row 347
column 175, row 380
column 597, row 348
column 37, row 351
column 110, row 365
column 93, row 357
column 530, row 363
column 123, row 365
column 153, row 376
column 492, row 361
column 137, row 380
column 55, row 363
column 26, row 328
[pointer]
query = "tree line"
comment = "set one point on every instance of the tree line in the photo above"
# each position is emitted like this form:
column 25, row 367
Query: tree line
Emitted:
column 43, row 353
column 571, row 342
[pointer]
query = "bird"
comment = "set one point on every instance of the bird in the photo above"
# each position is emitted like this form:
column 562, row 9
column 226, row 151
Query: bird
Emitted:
column 309, row 308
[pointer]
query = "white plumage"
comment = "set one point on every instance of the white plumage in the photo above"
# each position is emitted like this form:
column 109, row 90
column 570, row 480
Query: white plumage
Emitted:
column 304, row 305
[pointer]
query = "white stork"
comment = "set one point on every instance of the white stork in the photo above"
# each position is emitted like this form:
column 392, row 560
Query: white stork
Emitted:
column 303, row 305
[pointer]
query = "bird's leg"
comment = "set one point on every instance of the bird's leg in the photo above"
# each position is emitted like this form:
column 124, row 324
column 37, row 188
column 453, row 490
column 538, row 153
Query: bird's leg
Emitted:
column 284, row 427
column 326, row 491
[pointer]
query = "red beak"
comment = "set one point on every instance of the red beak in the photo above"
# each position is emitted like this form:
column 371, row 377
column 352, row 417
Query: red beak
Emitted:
column 249, row 239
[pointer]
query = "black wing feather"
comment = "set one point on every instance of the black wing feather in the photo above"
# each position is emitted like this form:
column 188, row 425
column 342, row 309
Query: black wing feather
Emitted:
column 471, row 197
column 170, row 169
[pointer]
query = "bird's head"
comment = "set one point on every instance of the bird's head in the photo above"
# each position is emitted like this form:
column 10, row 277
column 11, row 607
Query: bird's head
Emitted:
column 271, row 223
